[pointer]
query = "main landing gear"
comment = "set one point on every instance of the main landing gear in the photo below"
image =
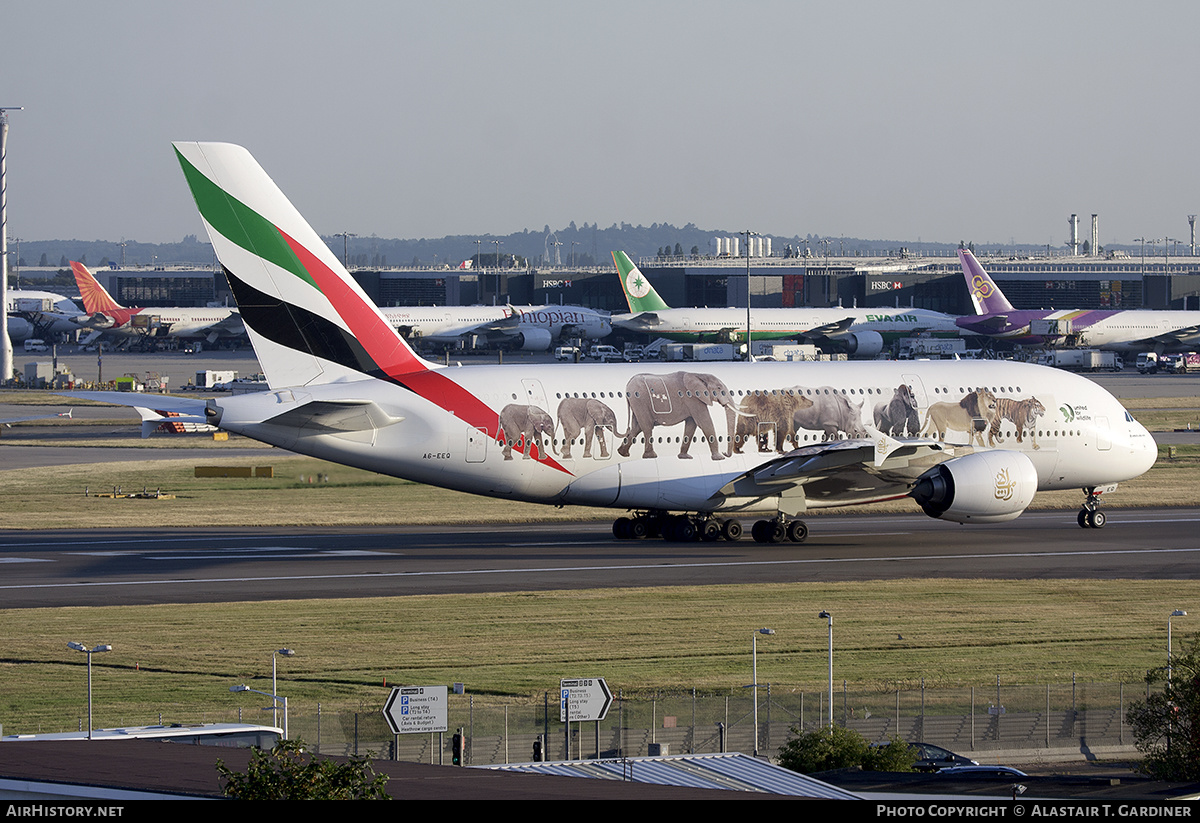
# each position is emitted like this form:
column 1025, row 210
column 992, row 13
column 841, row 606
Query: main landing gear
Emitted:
column 1090, row 516
column 683, row 528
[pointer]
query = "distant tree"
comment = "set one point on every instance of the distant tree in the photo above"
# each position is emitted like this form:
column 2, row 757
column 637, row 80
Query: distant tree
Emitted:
column 827, row 749
column 1166, row 725
column 678, row 250
column 287, row 772
column 695, row 251
column 43, row 262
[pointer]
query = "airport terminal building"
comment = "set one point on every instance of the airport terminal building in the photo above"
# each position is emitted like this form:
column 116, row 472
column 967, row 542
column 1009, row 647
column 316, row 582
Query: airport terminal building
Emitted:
column 927, row 282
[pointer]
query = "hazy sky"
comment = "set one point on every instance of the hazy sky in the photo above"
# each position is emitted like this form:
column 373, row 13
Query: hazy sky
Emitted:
column 941, row 121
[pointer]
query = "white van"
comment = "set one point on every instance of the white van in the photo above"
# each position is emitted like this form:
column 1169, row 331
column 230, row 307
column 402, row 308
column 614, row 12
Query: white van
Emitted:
column 34, row 344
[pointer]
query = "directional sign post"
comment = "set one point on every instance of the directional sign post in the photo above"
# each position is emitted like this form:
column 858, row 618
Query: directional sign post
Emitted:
column 414, row 709
column 583, row 699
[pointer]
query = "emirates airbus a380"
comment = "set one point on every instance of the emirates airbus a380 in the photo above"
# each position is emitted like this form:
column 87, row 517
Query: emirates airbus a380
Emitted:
column 685, row 450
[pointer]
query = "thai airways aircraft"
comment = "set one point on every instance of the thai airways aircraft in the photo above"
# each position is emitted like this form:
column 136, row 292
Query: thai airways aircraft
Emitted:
column 528, row 328
column 858, row 332
column 687, row 450
column 107, row 315
column 33, row 313
column 1121, row 330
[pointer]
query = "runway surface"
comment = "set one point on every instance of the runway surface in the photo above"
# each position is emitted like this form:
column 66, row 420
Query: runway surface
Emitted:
column 110, row 567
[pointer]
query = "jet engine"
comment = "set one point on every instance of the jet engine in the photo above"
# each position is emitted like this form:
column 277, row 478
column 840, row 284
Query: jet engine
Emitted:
column 861, row 343
column 532, row 340
column 19, row 328
column 982, row 487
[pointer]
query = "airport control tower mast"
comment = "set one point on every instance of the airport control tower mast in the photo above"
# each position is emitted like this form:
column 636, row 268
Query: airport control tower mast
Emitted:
column 6, row 349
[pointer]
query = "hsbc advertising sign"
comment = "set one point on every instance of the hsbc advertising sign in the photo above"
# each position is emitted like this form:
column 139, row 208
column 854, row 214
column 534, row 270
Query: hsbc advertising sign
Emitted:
column 882, row 283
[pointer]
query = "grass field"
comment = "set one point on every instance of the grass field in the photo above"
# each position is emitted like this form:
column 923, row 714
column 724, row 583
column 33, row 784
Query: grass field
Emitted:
column 181, row 659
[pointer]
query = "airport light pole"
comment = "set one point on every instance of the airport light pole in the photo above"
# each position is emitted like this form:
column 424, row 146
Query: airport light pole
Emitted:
column 274, row 707
column 748, row 234
column 79, row 647
column 346, row 235
column 754, row 685
column 6, row 349
column 824, row 615
column 1170, row 652
column 274, row 686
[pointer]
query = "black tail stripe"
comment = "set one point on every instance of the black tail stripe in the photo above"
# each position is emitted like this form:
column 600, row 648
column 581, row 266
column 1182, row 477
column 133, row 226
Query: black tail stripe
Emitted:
column 297, row 328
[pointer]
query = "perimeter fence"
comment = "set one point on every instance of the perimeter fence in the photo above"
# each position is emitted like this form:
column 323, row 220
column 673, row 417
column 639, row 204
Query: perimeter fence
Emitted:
column 970, row 720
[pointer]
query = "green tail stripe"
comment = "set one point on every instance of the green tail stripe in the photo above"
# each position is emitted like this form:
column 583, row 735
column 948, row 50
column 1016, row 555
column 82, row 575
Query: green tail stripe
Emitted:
column 240, row 223
column 638, row 291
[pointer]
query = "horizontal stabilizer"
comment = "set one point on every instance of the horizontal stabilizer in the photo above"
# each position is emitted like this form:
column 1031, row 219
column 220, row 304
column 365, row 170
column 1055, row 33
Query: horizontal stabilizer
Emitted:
column 336, row 416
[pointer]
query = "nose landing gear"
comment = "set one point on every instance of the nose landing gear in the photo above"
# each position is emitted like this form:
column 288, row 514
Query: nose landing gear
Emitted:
column 1090, row 516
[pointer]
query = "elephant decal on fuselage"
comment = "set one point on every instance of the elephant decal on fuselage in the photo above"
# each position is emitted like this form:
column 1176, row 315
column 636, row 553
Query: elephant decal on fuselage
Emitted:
column 590, row 416
column 678, row 397
column 524, row 424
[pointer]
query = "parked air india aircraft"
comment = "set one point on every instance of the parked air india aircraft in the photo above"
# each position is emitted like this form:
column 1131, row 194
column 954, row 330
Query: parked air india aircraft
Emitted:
column 1121, row 330
column 686, row 449
column 107, row 315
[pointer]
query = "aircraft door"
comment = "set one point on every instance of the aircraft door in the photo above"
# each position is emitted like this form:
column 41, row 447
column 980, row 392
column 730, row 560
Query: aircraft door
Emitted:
column 476, row 446
column 660, row 398
column 1103, row 434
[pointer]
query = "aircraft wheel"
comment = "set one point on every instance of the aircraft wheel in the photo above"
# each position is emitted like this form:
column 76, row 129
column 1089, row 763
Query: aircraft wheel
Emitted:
column 622, row 528
column 710, row 531
column 1083, row 518
column 638, row 529
column 759, row 531
column 1097, row 519
column 776, row 531
column 797, row 531
column 732, row 529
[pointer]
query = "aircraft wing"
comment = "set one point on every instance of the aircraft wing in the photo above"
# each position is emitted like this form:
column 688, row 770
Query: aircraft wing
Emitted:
column 154, row 409
column 645, row 321
column 993, row 324
column 839, row 328
column 8, row 421
column 1175, row 338
column 843, row 472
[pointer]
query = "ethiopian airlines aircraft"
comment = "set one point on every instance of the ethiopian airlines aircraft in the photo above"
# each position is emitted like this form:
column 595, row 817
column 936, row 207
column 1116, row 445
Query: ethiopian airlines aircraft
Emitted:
column 107, row 315
column 686, row 450
column 528, row 328
column 857, row 332
column 1109, row 329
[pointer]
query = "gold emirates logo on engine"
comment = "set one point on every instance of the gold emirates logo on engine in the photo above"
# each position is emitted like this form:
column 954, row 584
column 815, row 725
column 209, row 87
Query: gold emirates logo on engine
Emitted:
column 1004, row 486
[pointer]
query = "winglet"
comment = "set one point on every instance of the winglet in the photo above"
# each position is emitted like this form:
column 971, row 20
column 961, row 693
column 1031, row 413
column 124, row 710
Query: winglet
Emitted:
column 985, row 294
column 640, row 295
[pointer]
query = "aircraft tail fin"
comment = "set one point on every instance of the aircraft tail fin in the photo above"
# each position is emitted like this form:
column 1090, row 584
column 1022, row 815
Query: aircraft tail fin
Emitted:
column 985, row 294
column 96, row 298
column 640, row 295
column 309, row 320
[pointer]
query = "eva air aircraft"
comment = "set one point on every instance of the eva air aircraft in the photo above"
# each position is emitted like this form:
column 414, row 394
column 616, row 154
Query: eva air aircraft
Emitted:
column 685, row 451
column 861, row 333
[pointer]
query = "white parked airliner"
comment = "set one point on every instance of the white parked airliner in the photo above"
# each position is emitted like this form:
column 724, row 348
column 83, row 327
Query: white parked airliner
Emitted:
column 687, row 450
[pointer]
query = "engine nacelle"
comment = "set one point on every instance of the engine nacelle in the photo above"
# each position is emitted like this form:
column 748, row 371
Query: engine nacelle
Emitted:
column 862, row 343
column 533, row 340
column 982, row 487
column 19, row 328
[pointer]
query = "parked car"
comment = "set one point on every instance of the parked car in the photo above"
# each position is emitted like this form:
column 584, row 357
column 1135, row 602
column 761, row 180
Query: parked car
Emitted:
column 982, row 771
column 931, row 758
